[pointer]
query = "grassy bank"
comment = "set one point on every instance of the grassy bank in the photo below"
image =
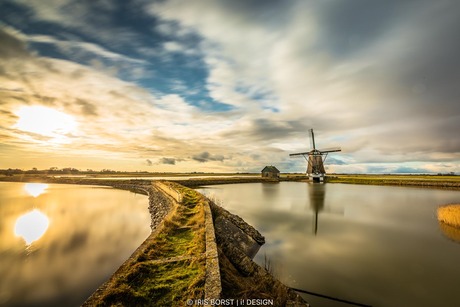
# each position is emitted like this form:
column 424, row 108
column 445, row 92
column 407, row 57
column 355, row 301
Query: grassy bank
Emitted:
column 431, row 181
column 450, row 215
column 171, row 267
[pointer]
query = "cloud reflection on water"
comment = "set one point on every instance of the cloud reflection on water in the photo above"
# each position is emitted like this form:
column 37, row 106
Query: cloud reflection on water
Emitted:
column 377, row 245
column 91, row 232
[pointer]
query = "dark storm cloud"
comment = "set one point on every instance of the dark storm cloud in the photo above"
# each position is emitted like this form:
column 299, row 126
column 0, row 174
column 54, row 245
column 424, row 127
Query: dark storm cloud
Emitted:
column 429, row 70
column 424, row 136
column 206, row 157
column 270, row 13
column 11, row 46
column 351, row 26
column 262, row 129
column 170, row 161
column 87, row 108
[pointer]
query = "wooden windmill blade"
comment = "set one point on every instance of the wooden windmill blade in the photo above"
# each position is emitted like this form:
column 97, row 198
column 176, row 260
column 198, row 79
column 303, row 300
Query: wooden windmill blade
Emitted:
column 331, row 149
column 312, row 139
column 299, row 154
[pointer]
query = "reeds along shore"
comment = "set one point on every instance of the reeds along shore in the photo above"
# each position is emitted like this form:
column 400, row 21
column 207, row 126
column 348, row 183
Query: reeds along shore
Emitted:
column 450, row 215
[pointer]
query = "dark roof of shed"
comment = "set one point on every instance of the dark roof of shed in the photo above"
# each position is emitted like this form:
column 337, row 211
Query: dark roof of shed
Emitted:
column 270, row 169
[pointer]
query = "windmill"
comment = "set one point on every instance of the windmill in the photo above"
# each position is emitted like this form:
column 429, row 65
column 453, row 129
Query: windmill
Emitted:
column 314, row 157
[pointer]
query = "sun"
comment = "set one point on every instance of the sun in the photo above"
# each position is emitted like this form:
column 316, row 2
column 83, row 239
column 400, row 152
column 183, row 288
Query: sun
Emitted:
column 31, row 226
column 46, row 122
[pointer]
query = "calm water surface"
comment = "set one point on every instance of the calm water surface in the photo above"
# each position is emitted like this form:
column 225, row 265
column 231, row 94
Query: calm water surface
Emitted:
column 58, row 243
column 375, row 245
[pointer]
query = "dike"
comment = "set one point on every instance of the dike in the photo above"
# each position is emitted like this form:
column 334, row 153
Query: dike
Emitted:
column 197, row 253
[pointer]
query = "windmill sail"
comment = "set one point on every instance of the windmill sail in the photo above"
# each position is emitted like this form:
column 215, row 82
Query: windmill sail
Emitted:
column 312, row 139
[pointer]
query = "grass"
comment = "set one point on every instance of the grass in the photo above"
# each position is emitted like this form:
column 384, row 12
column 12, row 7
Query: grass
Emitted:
column 397, row 177
column 409, row 180
column 450, row 215
column 171, row 269
column 172, row 285
column 183, row 234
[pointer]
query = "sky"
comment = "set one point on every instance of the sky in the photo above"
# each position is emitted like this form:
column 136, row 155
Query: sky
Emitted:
column 230, row 85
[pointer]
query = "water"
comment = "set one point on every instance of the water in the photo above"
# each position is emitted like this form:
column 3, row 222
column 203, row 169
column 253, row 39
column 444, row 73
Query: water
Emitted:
column 58, row 243
column 375, row 245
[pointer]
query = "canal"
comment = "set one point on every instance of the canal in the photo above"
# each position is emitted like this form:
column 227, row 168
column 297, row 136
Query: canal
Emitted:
column 59, row 243
column 376, row 245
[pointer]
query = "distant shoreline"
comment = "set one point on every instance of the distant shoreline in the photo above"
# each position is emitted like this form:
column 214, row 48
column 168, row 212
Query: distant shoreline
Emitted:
column 202, row 179
column 451, row 182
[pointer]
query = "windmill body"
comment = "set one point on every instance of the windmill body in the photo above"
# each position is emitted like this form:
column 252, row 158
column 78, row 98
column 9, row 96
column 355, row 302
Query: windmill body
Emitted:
column 315, row 160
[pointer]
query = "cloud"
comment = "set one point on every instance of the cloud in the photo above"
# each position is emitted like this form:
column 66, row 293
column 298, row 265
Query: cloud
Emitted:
column 180, row 80
column 12, row 46
column 335, row 161
column 77, row 46
column 410, row 170
column 206, row 157
column 149, row 162
column 87, row 108
column 117, row 119
column 170, row 161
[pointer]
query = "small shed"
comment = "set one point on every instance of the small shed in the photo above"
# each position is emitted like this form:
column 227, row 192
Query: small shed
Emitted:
column 270, row 172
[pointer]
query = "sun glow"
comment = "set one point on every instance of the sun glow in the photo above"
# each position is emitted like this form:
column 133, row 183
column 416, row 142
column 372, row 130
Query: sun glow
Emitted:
column 46, row 122
column 35, row 189
column 31, row 226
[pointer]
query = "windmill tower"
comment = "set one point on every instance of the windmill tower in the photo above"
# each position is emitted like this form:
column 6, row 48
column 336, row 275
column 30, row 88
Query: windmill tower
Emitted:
column 314, row 157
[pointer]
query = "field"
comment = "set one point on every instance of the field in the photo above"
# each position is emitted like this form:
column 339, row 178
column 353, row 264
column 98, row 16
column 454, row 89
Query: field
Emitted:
column 435, row 181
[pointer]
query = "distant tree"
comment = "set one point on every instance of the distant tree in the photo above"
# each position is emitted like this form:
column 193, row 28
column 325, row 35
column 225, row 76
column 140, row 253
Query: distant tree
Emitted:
column 11, row 171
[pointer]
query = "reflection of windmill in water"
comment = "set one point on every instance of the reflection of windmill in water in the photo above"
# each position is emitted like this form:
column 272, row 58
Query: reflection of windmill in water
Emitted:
column 314, row 157
column 317, row 194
